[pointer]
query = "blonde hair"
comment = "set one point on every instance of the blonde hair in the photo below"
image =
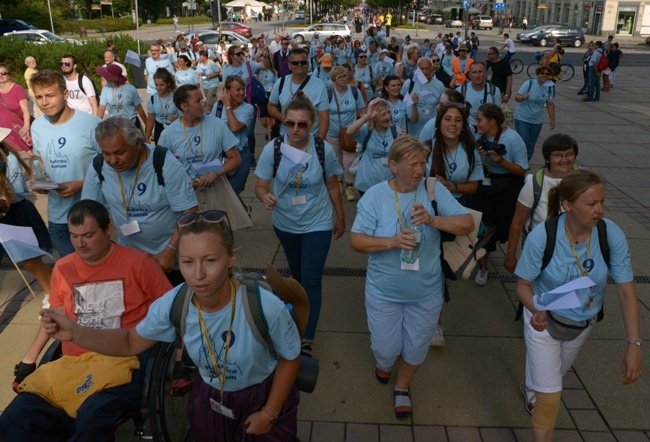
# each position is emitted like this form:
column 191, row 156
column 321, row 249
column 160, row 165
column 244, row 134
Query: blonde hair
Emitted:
column 405, row 146
column 338, row 71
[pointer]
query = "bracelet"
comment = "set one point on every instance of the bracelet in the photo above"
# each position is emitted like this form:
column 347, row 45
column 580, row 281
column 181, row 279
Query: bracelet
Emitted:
column 272, row 419
column 638, row 342
column 169, row 246
column 228, row 107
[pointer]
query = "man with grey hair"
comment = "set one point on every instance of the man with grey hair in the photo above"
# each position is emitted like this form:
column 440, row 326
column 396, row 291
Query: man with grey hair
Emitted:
column 109, row 58
column 145, row 188
column 152, row 64
column 427, row 94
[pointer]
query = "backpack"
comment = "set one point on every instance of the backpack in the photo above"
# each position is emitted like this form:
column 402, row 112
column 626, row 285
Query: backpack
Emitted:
column 252, row 302
column 550, row 226
column 159, row 153
column 320, row 153
column 463, row 90
column 603, row 63
column 80, row 82
column 355, row 93
column 255, row 92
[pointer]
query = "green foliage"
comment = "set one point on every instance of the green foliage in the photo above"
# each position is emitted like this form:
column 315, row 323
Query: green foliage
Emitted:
column 108, row 24
column 33, row 12
column 185, row 20
column 13, row 53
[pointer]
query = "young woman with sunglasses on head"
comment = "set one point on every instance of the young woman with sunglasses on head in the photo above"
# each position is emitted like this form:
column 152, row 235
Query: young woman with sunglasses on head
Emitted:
column 302, row 197
column 237, row 64
column 254, row 391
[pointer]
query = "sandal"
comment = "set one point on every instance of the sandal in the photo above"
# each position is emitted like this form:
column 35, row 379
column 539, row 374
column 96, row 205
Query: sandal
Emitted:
column 382, row 376
column 403, row 411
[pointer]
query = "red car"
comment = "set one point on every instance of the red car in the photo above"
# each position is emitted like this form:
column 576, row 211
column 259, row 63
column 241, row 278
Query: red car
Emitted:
column 240, row 29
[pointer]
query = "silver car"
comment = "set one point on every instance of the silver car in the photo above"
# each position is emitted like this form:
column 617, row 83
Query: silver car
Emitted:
column 211, row 39
column 324, row 30
column 41, row 37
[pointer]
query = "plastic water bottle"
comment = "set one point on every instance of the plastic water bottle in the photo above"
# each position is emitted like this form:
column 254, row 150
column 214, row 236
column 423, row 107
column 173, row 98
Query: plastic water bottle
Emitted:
column 39, row 171
column 410, row 256
column 26, row 138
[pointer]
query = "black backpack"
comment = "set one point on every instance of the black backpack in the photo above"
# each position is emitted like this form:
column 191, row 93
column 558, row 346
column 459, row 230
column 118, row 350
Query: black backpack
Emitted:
column 159, row 154
column 320, row 153
column 81, row 86
column 491, row 87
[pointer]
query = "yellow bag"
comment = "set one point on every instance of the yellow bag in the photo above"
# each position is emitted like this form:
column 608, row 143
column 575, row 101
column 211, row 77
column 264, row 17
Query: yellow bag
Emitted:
column 67, row 382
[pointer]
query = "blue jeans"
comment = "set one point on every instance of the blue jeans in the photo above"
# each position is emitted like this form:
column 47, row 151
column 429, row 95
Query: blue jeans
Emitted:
column 60, row 236
column 251, row 138
column 306, row 254
column 30, row 418
column 508, row 56
column 593, row 88
column 529, row 132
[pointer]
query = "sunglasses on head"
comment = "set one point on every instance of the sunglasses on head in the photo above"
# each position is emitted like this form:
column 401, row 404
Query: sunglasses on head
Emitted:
column 299, row 63
column 452, row 104
column 292, row 124
column 66, row 64
column 208, row 216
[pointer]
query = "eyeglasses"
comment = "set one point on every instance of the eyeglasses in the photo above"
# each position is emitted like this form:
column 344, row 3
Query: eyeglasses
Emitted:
column 285, row 42
column 452, row 104
column 238, row 54
column 292, row 124
column 209, row 216
column 435, row 60
column 299, row 63
column 66, row 64
column 544, row 73
column 363, row 56
column 566, row 156
column 4, row 73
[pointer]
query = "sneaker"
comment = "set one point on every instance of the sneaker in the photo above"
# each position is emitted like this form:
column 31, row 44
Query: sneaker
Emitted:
column 481, row 277
column 349, row 193
column 529, row 397
column 438, row 337
column 253, row 163
column 340, row 187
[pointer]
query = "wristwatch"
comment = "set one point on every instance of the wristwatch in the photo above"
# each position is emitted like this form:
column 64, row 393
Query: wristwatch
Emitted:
column 637, row 342
column 272, row 420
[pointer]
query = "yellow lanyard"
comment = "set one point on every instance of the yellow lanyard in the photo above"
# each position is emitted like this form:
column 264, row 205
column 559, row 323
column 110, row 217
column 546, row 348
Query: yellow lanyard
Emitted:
column 575, row 253
column 399, row 210
column 206, row 337
column 126, row 203
column 116, row 102
column 187, row 140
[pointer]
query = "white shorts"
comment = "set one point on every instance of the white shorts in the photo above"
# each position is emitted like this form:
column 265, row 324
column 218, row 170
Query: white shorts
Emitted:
column 548, row 360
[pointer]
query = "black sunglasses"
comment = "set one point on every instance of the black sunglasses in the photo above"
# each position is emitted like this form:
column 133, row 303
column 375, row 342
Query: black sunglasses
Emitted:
column 66, row 64
column 300, row 124
column 299, row 63
column 363, row 56
column 239, row 54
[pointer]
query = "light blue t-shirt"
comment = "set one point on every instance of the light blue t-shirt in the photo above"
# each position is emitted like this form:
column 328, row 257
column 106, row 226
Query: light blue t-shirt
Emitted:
column 249, row 362
column 377, row 216
column 205, row 69
column 428, row 131
column 240, row 71
column 563, row 266
column 317, row 214
column 187, row 76
column 477, row 98
column 163, row 108
column 67, row 149
column 516, row 152
column 315, row 90
column 205, row 142
column 446, row 62
column 16, row 177
column 365, row 77
column 245, row 113
column 383, row 69
column 457, row 167
column 150, row 67
column 399, row 113
column 373, row 167
column 324, row 76
column 268, row 78
column 153, row 206
column 373, row 59
column 348, row 110
column 533, row 109
column 427, row 105
column 121, row 100
column 340, row 56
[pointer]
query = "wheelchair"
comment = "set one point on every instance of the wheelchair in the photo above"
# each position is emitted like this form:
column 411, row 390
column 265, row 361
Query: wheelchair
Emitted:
column 159, row 415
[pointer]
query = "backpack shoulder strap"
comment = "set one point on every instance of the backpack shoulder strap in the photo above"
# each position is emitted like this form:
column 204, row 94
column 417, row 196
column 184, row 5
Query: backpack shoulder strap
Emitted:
column 330, row 94
column 463, row 90
column 393, row 130
column 252, row 303
column 277, row 155
column 319, row 144
column 530, row 85
column 411, row 85
column 98, row 163
column 151, row 99
column 219, row 109
column 355, row 92
column 365, row 141
column 602, row 240
column 159, row 154
column 551, row 233
column 538, row 184
column 178, row 312
column 80, row 77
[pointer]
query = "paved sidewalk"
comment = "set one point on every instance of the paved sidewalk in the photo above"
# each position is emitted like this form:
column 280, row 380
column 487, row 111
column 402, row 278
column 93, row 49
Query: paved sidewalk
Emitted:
column 468, row 390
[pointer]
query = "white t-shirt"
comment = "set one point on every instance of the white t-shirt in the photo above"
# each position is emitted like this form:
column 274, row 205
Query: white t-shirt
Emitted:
column 121, row 67
column 77, row 99
column 510, row 44
column 527, row 197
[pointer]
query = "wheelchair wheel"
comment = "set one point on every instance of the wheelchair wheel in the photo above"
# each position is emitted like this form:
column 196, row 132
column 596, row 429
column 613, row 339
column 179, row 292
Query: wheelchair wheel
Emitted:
column 167, row 413
column 516, row 65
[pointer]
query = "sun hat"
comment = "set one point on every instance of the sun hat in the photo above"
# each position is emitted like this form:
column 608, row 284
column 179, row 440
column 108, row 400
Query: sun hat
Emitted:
column 111, row 73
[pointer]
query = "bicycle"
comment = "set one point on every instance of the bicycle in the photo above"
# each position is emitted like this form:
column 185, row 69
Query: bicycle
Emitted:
column 516, row 65
column 566, row 71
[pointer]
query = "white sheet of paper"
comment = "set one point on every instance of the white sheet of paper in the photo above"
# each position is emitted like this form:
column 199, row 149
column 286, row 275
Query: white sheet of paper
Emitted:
column 408, row 100
column 548, row 83
column 420, row 76
column 564, row 296
column 295, row 155
column 389, row 60
column 22, row 234
column 212, row 166
column 425, row 92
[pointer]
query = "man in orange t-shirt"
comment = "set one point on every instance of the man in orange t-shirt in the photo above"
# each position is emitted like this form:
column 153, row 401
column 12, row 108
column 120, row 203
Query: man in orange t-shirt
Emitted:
column 101, row 285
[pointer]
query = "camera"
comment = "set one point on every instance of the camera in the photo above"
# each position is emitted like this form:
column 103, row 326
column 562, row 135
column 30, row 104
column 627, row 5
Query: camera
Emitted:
column 488, row 146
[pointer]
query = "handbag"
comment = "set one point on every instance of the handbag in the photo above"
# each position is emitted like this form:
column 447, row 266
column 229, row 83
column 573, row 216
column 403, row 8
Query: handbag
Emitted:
column 354, row 167
column 348, row 144
column 562, row 328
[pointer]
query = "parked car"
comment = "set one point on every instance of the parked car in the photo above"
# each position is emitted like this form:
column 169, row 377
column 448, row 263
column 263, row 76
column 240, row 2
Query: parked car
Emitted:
column 524, row 36
column 454, row 23
column 41, row 37
column 238, row 28
column 300, row 15
column 482, row 22
column 325, row 30
column 10, row 24
column 436, row 19
column 211, row 39
column 568, row 35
